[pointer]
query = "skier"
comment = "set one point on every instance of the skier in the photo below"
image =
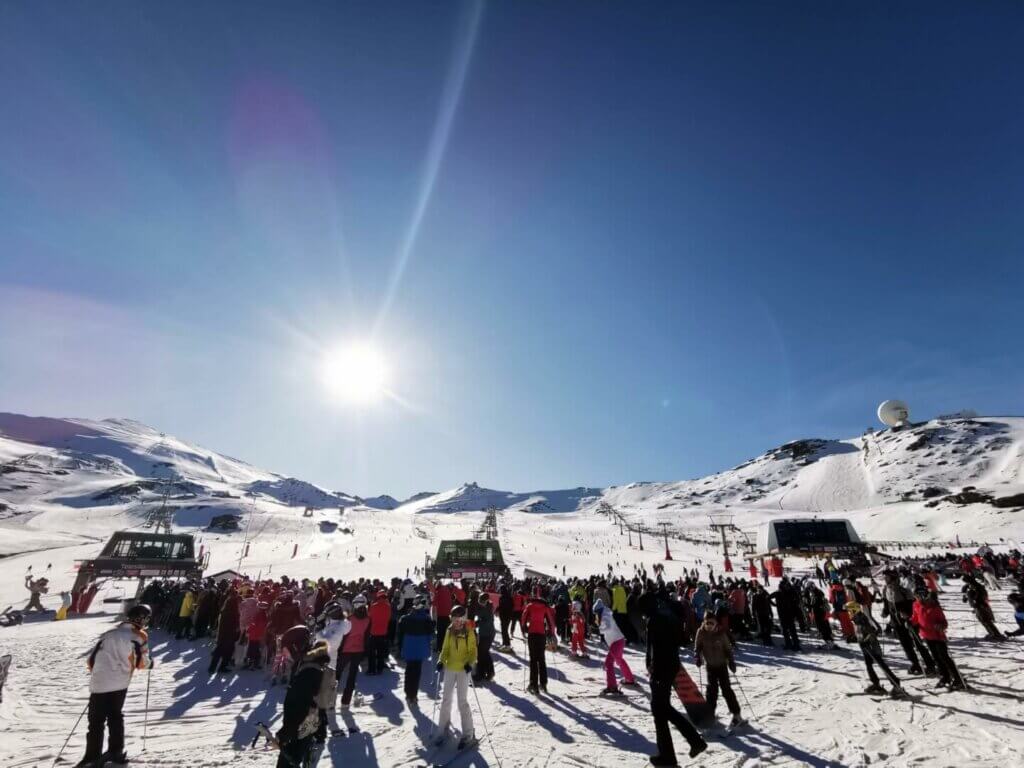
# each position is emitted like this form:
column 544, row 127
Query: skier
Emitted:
column 713, row 648
column 616, row 643
column 664, row 628
column 867, row 636
column 787, row 602
column 537, row 623
column 929, row 619
column 899, row 602
column 255, row 633
column 578, row 624
column 302, row 717
column 223, row 656
column 353, row 648
column 380, row 617
column 458, row 654
column 976, row 595
column 761, row 605
column 113, row 660
column 485, row 639
column 36, row 587
column 819, row 612
column 505, row 611
column 415, row 631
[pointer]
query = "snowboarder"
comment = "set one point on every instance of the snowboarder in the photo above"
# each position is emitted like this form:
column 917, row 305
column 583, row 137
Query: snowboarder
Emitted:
column 664, row 630
column 112, row 662
column 456, row 660
column 301, row 716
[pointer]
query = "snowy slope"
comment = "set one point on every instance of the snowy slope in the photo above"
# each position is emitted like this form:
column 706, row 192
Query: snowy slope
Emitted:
column 51, row 476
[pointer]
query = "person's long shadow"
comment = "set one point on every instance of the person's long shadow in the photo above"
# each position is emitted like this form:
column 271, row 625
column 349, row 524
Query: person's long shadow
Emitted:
column 532, row 713
column 612, row 729
column 760, row 740
column 774, row 660
column 355, row 751
column 264, row 712
column 1017, row 724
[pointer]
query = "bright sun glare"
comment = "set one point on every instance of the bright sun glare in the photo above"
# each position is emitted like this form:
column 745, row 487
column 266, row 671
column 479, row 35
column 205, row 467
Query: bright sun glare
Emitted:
column 355, row 373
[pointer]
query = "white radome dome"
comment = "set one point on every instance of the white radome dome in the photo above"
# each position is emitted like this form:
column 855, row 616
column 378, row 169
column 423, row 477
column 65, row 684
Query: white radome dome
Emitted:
column 893, row 413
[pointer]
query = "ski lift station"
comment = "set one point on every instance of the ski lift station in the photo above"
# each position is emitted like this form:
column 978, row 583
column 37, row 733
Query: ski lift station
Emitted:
column 809, row 536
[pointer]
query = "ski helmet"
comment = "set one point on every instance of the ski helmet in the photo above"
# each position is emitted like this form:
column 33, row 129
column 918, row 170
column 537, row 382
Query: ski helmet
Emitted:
column 140, row 614
column 359, row 601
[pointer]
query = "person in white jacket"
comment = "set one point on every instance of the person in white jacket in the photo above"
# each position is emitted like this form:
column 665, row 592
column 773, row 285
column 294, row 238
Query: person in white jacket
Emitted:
column 333, row 633
column 616, row 642
column 112, row 662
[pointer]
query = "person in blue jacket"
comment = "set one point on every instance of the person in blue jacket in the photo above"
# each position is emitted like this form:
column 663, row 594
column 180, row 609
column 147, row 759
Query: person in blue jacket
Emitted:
column 415, row 631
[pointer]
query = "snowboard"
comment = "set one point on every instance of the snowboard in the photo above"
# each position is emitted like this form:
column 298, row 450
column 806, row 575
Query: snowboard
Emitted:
column 691, row 697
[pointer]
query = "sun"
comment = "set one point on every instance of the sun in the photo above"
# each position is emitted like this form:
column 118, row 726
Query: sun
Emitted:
column 355, row 373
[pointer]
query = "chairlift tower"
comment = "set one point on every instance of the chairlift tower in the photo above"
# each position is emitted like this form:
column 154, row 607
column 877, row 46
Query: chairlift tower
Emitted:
column 162, row 519
column 722, row 522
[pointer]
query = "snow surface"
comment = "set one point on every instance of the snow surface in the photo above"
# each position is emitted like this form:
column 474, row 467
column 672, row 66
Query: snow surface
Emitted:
column 51, row 471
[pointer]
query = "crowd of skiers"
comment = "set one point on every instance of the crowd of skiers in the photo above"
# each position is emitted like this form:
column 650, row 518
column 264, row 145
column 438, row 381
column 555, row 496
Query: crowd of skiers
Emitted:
column 317, row 636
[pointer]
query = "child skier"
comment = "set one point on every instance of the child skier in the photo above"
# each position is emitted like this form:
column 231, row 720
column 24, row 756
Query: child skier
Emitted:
column 578, row 624
column 714, row 649
column 458, row 655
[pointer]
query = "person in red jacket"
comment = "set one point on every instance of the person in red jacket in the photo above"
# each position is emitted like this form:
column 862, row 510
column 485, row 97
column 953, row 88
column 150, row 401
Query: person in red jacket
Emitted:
column 255, row 633
column 928, row 617
column 538, row 623
column 578, row 622
column 353, row 648
column 443, row 600
column 380, row 618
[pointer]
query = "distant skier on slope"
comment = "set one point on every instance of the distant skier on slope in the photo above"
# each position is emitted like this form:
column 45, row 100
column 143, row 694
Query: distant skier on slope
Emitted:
column 115, row 657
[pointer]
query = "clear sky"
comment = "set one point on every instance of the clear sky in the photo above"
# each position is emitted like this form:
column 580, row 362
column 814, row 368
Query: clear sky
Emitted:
column 593, row 242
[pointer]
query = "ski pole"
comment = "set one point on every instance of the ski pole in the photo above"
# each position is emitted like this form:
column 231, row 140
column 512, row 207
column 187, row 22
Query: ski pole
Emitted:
column 487, row 732
column 145, row 715
column 75, row 728
column 437, row 695
column 746, row 701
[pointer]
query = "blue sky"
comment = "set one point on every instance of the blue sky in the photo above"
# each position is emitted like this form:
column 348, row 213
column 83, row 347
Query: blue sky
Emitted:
column 637, row 245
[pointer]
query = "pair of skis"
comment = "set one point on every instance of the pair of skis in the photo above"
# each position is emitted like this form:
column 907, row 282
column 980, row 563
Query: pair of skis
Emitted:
column 431, row 760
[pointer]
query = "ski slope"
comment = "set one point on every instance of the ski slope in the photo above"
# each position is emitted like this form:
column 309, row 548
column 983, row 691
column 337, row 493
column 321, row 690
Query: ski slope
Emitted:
column 66, row 484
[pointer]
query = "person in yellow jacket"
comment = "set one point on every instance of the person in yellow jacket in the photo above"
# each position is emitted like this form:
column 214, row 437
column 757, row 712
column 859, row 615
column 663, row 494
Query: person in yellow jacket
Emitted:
column 188, row 607
column 458, row 655
column 620, row 611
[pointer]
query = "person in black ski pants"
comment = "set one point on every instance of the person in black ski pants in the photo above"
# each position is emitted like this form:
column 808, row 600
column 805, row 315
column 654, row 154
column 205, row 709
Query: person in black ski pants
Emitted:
column 787, row 602
column 867, row 636
column 664, row 629
column 505, row 610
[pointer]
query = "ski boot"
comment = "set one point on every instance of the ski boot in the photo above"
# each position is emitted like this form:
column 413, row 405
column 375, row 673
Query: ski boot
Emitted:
column 612, row 692
column 466, row 742
column 737, row 721
column 875, row 688
column 897, row 692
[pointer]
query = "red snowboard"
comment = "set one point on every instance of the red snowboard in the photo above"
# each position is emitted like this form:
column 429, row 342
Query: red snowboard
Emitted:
column 693, row 700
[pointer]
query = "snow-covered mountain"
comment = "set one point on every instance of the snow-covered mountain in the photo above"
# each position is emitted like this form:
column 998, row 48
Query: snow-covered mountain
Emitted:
column 932, row 479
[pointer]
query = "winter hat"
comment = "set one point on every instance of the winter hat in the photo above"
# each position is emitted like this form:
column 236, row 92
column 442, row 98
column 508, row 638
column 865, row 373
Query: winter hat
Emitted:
column 458, row 611
column 359, row 601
